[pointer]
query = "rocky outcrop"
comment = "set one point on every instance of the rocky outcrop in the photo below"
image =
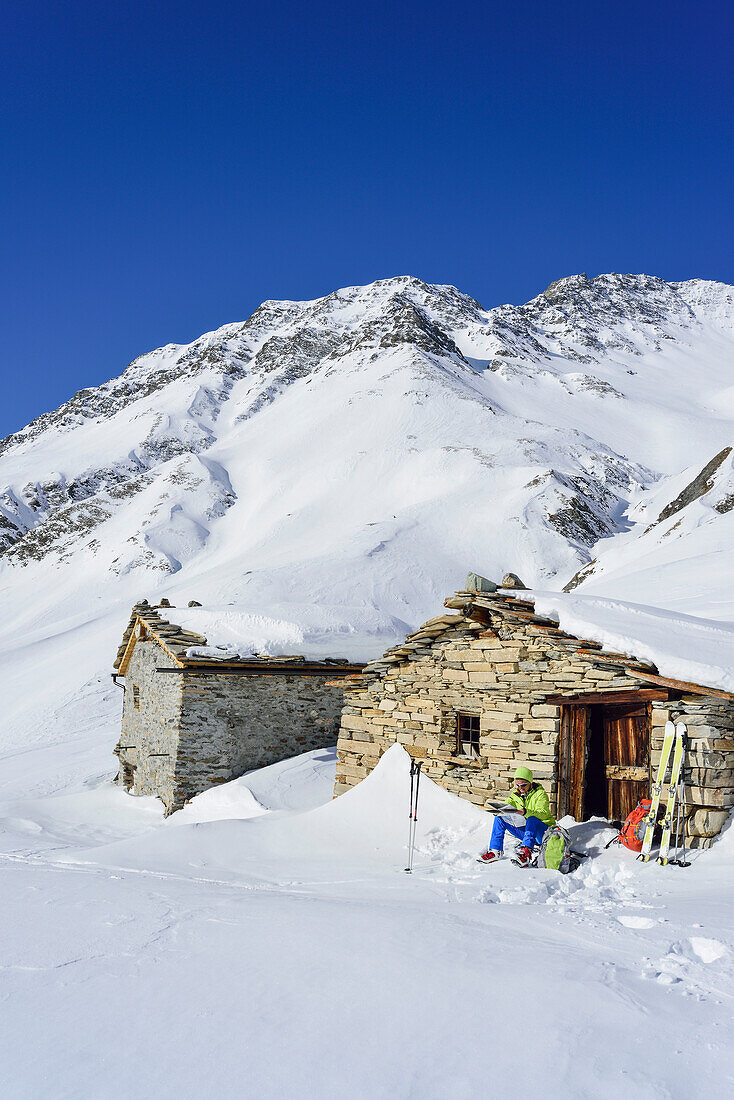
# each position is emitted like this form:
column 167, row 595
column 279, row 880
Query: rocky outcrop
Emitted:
column 700, row 485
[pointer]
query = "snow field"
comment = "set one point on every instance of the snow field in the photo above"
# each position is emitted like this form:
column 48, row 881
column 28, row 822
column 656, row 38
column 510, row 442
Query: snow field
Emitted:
column 268, row 942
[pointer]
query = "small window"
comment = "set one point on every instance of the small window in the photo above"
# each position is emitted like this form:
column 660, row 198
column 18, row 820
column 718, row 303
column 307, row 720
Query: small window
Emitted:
column 136, row 696
column 467, row 734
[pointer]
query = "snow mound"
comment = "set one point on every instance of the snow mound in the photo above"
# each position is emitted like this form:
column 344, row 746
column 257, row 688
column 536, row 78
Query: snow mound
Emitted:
column 230, row 801
column 369, row 823
column 377, row 808
column 299, row 783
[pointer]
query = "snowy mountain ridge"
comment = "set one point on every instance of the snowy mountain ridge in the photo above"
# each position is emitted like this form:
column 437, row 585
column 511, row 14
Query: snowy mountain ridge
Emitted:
column 573, row 318
column 175, row 396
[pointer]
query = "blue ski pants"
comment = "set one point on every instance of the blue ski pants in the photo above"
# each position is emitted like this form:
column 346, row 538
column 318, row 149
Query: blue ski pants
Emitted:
column 531, row 835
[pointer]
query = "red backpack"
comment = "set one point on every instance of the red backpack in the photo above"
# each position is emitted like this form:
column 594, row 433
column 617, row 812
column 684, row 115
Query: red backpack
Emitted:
column 632, row 832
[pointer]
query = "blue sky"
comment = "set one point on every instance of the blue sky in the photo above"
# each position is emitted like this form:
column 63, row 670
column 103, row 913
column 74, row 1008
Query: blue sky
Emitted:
column 169, row 166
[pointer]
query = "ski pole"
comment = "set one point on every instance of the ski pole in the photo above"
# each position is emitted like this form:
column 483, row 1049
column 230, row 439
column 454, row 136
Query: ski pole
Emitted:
column 415, row 811
column 683, row 862
column 411, row 813
column 677, row 826
column 415, row 770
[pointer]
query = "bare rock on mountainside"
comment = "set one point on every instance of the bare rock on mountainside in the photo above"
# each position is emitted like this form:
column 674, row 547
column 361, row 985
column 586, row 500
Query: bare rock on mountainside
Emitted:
column 682, row 526
column 695, row 489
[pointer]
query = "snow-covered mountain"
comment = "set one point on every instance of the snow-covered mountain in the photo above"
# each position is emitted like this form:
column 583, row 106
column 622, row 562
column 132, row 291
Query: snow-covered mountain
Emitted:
column 340, row 464
column 553, row 415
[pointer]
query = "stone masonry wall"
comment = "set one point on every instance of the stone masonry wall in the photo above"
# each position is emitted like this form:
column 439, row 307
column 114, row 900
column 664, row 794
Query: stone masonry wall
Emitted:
column 151, row 713
column 709, row 761
column 503, row 675
column 233, row 723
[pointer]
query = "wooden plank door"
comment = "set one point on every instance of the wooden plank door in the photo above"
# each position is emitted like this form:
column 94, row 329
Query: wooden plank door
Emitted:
column 573, row 754
column 627, row 757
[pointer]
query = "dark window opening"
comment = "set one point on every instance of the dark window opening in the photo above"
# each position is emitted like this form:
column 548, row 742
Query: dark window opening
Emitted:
column 136, row 696
column 467, row 734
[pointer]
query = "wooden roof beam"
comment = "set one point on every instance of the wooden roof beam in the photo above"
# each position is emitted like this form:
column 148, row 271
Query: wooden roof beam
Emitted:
column 681, row 685
column 610, row 698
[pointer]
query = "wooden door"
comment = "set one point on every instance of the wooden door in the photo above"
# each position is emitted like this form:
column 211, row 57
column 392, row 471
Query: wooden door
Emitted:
column 626, row 757
column 573, row 754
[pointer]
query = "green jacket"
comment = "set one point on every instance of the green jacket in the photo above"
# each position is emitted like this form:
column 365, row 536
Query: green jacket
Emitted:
column 534, row 804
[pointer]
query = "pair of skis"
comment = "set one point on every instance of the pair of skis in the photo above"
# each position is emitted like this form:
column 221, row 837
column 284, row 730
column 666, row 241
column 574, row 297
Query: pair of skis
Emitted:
column 674, row 742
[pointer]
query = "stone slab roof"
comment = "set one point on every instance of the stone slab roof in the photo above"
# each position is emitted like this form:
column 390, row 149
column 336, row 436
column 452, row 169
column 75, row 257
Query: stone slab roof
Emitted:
column 478, row 611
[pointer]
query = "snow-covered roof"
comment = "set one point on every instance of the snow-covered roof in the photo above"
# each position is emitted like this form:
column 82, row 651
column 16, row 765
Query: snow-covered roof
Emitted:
column 648, row 641
column 218, row 633
column 681, row 647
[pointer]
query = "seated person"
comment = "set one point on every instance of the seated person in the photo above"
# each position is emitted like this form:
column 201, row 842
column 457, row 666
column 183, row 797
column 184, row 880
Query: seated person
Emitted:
column 529, row 800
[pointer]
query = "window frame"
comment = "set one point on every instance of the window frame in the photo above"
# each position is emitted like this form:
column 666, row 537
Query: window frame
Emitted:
column 467, row 730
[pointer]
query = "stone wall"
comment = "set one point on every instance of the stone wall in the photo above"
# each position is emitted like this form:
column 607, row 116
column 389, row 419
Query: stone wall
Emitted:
column 503, row 672
column 709, row 761
column 185, row 731
column 151, row 714
column 232, row 723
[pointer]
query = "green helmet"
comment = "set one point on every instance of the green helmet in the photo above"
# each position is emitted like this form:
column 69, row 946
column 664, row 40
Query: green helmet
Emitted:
column 524, row 773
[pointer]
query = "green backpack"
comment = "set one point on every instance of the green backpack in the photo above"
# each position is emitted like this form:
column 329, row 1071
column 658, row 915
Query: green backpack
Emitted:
column 555, row 851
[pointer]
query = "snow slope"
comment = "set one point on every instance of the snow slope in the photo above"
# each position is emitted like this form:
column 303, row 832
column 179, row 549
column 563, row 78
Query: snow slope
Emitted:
column 679, row 547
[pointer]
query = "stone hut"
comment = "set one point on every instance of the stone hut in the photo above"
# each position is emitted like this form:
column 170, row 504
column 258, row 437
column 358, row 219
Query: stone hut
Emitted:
column 477, row 692
column 192, row 719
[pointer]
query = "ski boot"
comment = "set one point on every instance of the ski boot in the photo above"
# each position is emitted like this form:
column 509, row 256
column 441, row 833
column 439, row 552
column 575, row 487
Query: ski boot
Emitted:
column 523, row 857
